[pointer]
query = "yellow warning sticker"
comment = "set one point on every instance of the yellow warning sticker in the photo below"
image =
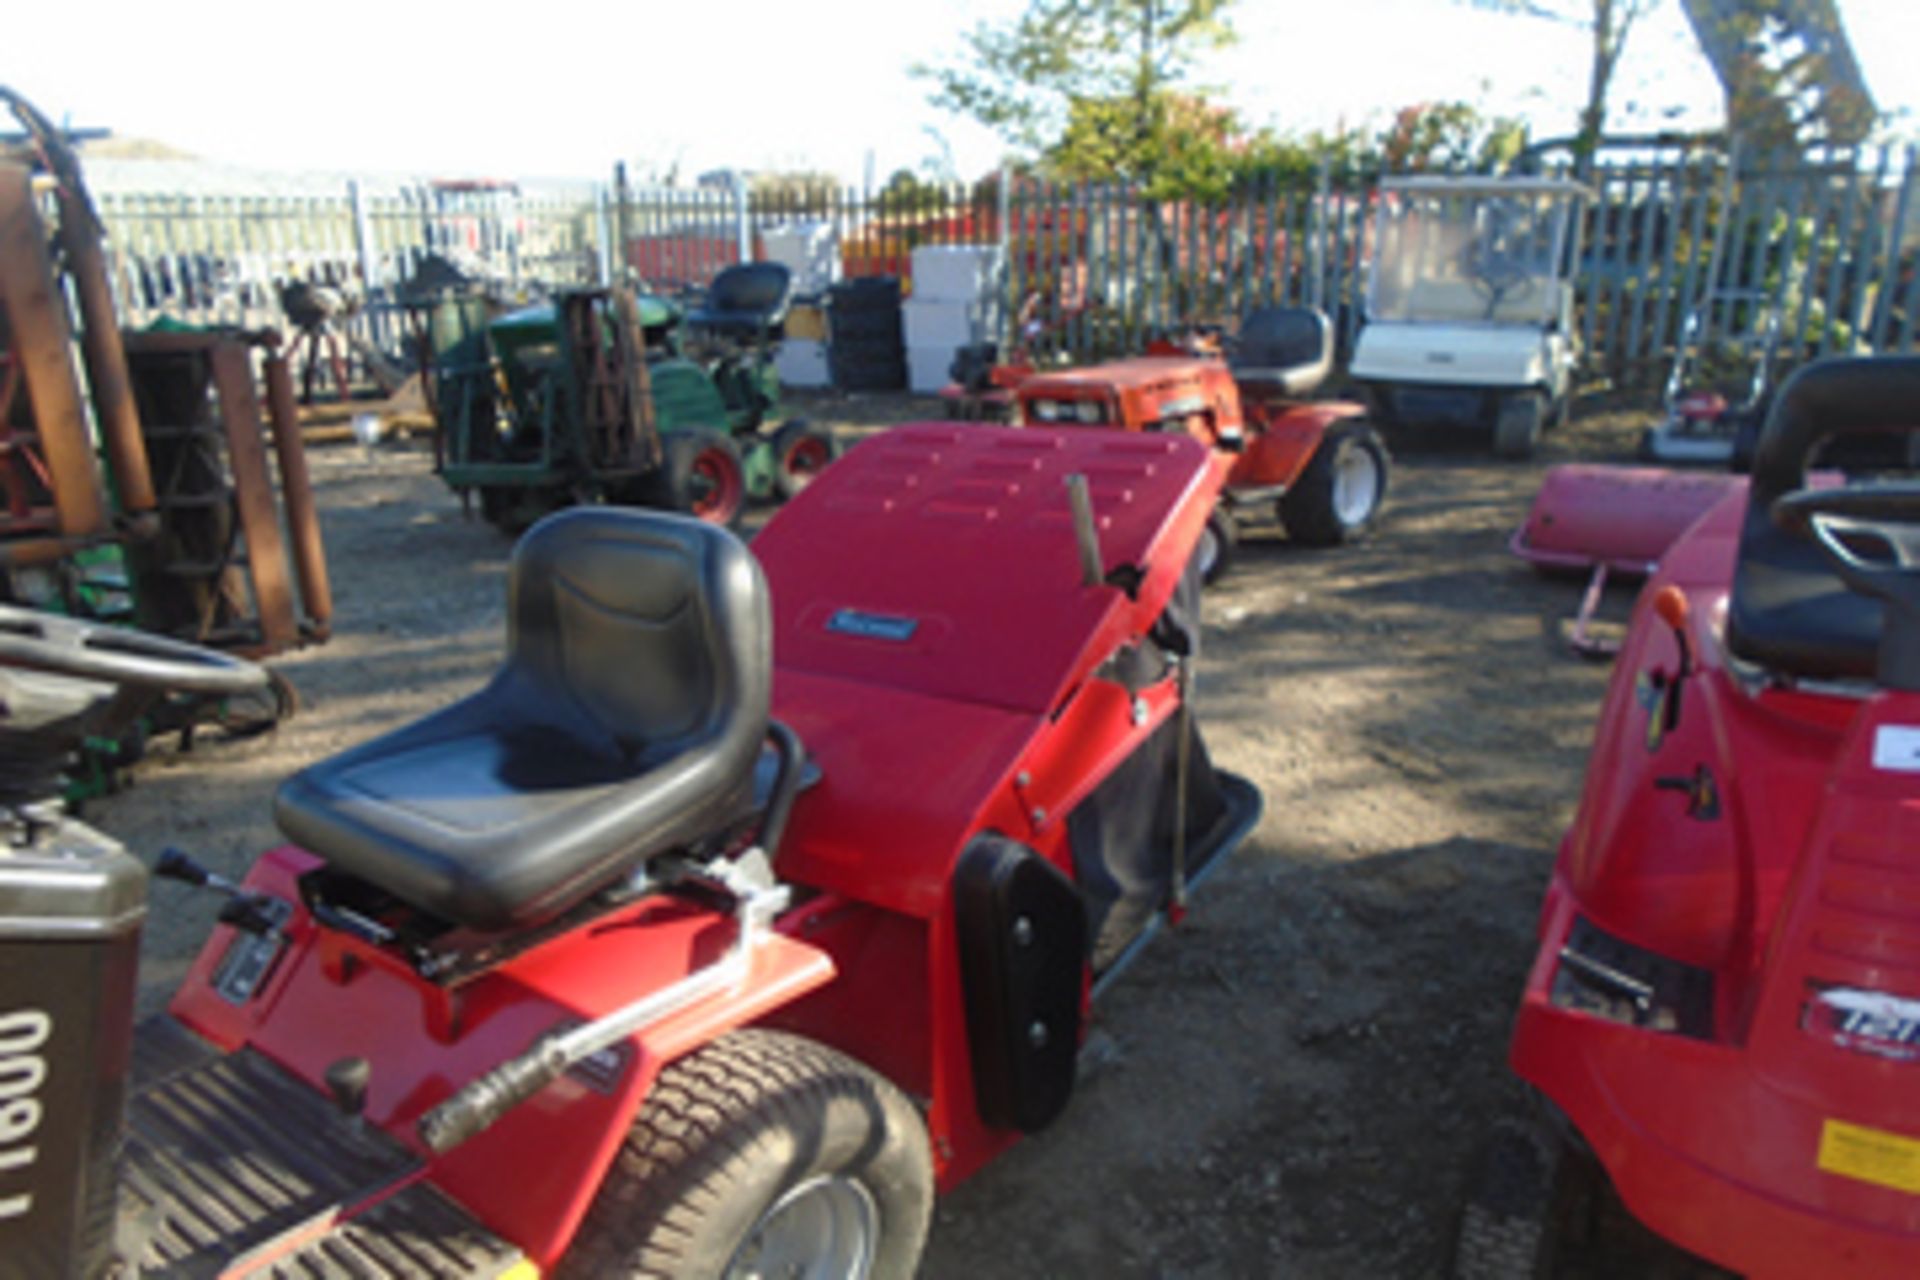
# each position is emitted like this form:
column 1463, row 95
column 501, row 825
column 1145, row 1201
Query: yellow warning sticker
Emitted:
column 1871, row 1155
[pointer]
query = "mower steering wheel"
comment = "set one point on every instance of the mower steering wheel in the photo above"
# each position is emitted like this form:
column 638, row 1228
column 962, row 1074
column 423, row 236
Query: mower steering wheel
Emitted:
column 1841, row 520
column 1496, row 275
column 65, row 646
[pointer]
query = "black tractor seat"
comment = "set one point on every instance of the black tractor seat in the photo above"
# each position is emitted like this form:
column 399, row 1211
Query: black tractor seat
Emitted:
column 1788, row 610
column 1284, row 351
column 627, row 720
column 747, row 302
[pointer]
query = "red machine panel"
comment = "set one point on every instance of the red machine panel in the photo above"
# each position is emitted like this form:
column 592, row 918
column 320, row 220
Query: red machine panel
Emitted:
column 941, row 559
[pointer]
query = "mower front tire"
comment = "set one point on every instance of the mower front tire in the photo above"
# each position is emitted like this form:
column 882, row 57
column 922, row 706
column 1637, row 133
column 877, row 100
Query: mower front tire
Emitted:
column 763, row 1154
column 1214, row 552
column 700, row 475
column 1340, row 493
column 800, row 452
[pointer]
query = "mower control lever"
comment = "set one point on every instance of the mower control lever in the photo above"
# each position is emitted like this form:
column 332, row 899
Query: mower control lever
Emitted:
column 1086, row 532
column 479, row 1103
column 250, row 912
column 177, row 864
column 1670, row 603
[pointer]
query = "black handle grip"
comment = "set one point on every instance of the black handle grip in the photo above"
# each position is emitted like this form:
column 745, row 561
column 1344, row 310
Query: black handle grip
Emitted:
column 482, row 1101
column 176, row 864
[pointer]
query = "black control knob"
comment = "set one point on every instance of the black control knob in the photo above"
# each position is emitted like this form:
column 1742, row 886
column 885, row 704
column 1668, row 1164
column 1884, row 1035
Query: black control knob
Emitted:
column 347, row 1082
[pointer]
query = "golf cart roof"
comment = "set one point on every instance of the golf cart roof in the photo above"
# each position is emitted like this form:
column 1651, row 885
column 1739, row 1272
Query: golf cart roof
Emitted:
column 1485, row 183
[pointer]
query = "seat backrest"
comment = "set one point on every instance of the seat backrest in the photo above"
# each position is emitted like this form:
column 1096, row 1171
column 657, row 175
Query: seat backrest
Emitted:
column 760, row 289
column 1287, row 348
column 652, row 628
column 1788, row 610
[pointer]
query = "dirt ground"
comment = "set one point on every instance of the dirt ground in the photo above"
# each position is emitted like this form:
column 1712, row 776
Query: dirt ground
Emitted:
column 1293, row 1084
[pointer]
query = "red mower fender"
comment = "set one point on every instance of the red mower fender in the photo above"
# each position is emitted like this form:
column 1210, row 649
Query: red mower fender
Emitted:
column 1283, row 439
column 531, row 1176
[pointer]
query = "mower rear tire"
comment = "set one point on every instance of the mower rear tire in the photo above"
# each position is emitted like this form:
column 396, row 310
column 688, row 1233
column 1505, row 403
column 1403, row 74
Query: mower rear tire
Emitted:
column 1531, row 1195
column 700, row 475
column 763, row 1153
column 1340, row 492
column 1214, row 552
column 800, row 452
column 1516, row 424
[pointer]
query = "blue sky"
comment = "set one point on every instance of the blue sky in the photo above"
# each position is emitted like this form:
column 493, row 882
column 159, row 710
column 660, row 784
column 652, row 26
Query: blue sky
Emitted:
column 565, row 88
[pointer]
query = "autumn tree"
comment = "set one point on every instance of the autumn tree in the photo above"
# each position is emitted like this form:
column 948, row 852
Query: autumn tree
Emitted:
column 1787, row 70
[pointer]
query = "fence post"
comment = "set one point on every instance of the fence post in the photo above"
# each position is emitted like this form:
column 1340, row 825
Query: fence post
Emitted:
column 623, row 229
column 602, row 236
column 742, row 226
column 362, row 235
column 1890, row 270
column 1009, row 304
column 1317, row 246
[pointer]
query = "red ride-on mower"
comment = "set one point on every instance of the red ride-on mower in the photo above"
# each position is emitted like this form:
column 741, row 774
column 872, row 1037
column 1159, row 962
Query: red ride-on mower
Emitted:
column 757, row 896
column 1320, row 466
column 1724, row 1014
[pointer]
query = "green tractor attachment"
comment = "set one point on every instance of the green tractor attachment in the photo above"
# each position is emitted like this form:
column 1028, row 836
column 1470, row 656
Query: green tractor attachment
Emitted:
column 598, row 397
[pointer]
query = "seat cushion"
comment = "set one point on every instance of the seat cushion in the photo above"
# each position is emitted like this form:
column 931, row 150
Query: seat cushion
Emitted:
column 1789, row 612
column 626, row 721
column 1285, row 351
column 486, row 821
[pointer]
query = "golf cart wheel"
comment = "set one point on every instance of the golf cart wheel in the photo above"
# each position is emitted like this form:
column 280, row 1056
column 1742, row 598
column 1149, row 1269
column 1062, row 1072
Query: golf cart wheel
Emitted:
column 1528, row 1188
column 1516, row 424
column 701, row 476
column 1339, row 494
column 1213, row 554
column 764, row 1154
column 800, row 452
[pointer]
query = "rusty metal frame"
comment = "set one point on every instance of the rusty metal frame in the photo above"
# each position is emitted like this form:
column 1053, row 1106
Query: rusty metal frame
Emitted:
column 42, row 345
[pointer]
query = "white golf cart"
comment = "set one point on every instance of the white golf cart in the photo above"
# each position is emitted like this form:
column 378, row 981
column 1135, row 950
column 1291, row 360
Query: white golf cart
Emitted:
column 1469, row 318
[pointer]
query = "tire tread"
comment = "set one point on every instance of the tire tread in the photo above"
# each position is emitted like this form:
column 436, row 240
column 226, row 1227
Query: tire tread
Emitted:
column 706, row 1126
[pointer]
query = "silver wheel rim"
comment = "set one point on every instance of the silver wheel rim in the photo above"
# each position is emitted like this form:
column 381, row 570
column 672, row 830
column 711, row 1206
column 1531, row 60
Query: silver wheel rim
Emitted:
column 823, row 1229
column 1356, row 486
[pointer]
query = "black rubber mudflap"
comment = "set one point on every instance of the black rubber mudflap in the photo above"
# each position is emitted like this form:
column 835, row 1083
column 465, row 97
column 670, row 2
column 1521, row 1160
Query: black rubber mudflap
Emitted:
column 228, row 1155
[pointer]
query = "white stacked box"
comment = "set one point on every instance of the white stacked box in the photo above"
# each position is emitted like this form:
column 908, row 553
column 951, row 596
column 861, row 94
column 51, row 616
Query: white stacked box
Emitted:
column 811, row 250
column 956, row 272
column 802, row 362
column 929, row 369
column 954, row 303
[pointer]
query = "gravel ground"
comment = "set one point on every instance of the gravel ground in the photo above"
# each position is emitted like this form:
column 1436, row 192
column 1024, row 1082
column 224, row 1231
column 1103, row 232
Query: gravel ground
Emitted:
column 1294, row 1083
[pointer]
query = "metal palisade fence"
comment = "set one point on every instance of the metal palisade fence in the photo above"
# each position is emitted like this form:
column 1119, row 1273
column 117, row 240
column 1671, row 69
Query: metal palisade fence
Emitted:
column 1829, row 241
column 221, row 257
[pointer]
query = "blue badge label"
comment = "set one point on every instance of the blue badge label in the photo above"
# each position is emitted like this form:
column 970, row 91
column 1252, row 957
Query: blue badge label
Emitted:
column 873, row 626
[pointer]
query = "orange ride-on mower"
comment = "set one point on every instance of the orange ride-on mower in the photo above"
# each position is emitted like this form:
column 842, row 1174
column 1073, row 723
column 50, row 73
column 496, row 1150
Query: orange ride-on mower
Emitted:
column 1723, row 1017
column 1320, row 466
column 759, row 895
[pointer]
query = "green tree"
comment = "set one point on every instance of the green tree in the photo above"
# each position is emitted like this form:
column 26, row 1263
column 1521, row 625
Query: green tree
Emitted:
column 1607, row 24
column 1450, row 135
column 1090, row 82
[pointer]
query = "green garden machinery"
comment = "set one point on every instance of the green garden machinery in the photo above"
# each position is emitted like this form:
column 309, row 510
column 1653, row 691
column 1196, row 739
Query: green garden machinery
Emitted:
column 605, row 395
